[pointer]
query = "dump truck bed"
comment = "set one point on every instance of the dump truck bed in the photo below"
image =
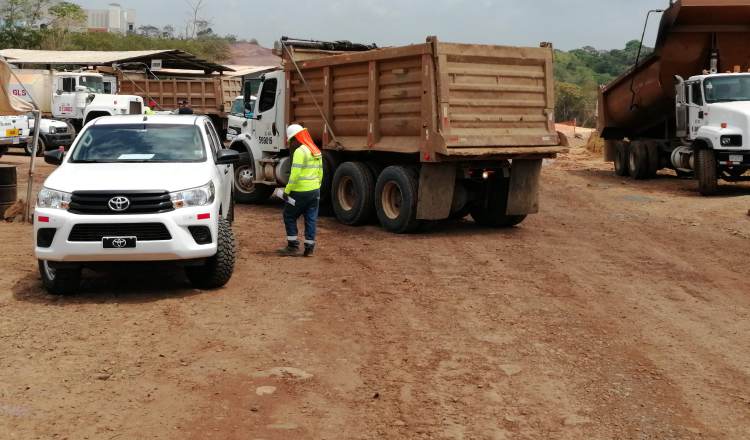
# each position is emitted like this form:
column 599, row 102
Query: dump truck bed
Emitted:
column 440, row 99
column 207, row 95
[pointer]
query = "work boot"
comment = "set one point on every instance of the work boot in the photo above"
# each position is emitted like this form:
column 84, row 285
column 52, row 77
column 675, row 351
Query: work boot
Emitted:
column 291, row 249
column 309, row 250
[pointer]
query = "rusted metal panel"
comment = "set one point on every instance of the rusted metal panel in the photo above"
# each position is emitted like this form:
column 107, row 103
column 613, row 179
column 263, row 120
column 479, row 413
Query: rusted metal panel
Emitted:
column 436, row 185
column 683, row 47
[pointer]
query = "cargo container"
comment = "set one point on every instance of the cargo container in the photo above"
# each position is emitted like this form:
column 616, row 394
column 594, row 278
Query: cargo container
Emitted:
column 687, row 105
column 410, row 134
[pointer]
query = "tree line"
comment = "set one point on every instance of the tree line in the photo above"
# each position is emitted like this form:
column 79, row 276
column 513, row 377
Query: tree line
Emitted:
column 61, row 25
column 579, row 73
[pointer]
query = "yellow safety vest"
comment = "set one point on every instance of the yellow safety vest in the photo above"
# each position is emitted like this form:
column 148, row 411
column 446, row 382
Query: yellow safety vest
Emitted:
column 307, row 171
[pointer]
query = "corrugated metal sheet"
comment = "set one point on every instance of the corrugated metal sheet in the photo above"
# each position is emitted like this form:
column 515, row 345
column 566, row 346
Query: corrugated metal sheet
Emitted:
column 176, row 59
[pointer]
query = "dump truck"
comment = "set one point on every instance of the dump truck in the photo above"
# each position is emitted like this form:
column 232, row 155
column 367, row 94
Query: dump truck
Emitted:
column 687, row 105
column 410, row 134
column 76, row 97
column 211, row 95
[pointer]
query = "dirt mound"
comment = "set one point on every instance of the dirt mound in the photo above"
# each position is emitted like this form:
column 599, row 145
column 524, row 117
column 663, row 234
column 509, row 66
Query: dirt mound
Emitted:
column 249, row 54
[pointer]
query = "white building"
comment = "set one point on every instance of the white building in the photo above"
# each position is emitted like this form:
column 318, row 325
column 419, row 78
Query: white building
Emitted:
column 115, row 19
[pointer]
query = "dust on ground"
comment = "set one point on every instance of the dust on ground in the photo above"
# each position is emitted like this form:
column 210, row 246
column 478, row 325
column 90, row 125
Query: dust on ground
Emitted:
column 619, row 312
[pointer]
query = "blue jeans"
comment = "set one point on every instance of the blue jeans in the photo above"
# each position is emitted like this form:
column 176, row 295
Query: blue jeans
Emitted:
column 307, row 204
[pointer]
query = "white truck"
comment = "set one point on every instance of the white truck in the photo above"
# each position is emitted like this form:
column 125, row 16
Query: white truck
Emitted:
column 14, row 132
column 148, row 188
column 78, row 97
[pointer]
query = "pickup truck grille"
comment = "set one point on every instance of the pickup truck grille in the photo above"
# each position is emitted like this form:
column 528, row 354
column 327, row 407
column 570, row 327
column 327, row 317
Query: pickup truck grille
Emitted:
column 141, row 231
column 141, row 202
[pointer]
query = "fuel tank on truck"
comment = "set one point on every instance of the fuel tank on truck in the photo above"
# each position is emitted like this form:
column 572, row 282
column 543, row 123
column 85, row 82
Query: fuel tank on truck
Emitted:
column 640, row 103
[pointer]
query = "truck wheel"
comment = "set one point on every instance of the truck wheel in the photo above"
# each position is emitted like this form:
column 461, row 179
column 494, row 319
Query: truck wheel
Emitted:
column 621, row 158
column 217, row 270
column 59, row 281
column 353, row 192
column 706, row 172
column 330, row 164
column 396, row 195
column 652, row 149
column 245, row 190
column 41, row 148
column 638, row 163
column 490, row 211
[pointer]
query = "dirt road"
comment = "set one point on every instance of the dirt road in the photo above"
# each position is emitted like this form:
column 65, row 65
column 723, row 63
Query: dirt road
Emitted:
column 619, row 312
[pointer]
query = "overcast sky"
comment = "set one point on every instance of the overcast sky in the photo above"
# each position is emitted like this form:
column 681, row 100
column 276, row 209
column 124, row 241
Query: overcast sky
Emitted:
column 569, row 24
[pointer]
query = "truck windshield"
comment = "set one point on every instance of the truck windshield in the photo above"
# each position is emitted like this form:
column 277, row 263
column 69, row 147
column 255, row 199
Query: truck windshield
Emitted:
column 727, row 88
column 140, row 143
column 93, row 84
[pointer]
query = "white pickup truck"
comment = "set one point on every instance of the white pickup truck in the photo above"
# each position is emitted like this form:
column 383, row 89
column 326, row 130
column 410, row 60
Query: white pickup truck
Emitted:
column 138, row 188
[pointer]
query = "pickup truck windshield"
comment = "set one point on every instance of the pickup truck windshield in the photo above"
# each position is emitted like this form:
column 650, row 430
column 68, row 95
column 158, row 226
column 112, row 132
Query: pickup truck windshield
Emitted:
column 140, row 143
column 94, row 84
column 727, row 88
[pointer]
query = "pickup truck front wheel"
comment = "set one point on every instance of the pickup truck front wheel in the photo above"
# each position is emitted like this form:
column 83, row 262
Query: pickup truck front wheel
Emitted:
column 59, row 280
column 217, row 270
column 41, row 148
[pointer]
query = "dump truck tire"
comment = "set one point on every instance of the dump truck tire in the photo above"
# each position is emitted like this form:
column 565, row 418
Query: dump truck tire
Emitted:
column 638, row 163
column 245, row 190
column 621, row 159
column 491, row 210
column 353, row 193
column 396, row 195
column 706, row 172
column 652, row 149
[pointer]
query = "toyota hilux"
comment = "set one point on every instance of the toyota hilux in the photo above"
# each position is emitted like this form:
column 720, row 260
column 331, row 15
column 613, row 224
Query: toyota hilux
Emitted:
column 133, row 189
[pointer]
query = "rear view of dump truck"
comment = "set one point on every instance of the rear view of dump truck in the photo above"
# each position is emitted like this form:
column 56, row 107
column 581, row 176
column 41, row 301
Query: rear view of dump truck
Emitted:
column 423, row 132
column 687, row 105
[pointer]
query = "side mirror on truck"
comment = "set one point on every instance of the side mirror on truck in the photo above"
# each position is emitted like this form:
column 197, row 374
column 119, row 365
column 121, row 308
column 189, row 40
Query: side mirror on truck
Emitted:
column 54, row 157
column 227, row 157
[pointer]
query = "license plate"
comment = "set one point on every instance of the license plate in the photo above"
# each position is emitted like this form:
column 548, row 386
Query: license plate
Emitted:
column 736, row 158
column 119, row 242
column 10, row 132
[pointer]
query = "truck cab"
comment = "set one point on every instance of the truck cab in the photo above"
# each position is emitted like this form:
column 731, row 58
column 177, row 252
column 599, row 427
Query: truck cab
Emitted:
column 713, row 120
column 81, row 96
column 240, row 116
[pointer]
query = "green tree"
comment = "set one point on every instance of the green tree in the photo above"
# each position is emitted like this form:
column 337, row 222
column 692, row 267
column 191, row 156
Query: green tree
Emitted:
column 66, row 16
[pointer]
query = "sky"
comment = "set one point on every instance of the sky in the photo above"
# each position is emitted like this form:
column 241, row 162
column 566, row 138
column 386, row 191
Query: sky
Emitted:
column 568, row 24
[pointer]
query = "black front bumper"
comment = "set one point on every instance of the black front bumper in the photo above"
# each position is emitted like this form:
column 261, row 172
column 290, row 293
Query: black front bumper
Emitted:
column 59, row 140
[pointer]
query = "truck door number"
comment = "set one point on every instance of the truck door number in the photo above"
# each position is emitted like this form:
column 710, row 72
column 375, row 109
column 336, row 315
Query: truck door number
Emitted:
column 266, row 140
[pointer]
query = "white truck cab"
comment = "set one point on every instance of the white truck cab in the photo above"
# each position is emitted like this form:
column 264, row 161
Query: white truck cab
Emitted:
column 138, row 188
column 14, row 132
column 239, row 117
column 713, row 121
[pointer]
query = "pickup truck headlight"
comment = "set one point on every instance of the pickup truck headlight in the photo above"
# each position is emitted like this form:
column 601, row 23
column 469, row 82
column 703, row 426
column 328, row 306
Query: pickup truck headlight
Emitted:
column 734, row 140
column 49, row 198
column 52, row 130
column 201, row 196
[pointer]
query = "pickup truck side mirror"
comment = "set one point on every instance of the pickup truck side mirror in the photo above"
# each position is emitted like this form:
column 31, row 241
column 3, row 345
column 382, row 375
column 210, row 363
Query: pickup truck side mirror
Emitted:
column 54, row 157
column 227, row 157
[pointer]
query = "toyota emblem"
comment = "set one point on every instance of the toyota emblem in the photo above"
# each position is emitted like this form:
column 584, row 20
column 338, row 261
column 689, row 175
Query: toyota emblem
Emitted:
column 119, row 243
column 119, row 203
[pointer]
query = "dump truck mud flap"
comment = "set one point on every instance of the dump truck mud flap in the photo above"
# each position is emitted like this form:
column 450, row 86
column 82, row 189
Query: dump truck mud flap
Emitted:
column 437, row 183
column 523, row 194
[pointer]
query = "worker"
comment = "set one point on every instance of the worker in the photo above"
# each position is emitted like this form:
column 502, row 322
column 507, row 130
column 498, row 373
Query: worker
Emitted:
column 148, row 110
column 185, row 108
column 302, row 193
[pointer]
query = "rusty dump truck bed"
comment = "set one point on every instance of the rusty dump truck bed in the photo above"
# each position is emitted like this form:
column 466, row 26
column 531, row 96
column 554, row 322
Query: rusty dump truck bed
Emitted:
column 689, row 31
column 442, row 100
